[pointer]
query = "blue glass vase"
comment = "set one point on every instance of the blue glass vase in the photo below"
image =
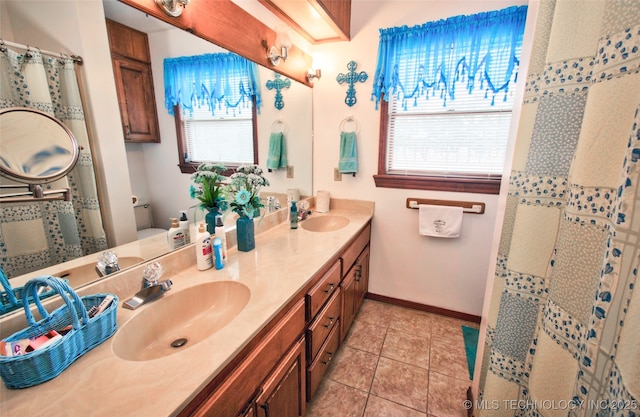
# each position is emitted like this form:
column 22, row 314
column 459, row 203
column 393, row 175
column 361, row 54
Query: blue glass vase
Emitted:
column 210, row 219
column 245, row 233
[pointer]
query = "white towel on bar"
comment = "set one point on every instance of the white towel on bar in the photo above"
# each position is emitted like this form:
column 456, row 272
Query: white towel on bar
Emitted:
column 439, row 221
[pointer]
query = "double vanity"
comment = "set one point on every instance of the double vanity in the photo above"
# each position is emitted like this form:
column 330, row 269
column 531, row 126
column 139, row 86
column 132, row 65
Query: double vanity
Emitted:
column 252, row 339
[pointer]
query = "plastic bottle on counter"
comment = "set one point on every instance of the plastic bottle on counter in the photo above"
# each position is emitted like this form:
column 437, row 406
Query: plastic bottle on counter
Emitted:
column 217, row 252
column 183, row 222
column 294, row 215
column 204, row 258
column 220, row 233
column 175, row 235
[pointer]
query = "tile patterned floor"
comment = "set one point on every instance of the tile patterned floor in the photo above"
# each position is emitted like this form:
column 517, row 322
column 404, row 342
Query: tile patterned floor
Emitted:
column 396, row 362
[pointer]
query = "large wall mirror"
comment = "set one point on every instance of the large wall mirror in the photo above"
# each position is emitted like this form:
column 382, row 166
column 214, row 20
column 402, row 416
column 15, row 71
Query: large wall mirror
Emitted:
column 153, row 167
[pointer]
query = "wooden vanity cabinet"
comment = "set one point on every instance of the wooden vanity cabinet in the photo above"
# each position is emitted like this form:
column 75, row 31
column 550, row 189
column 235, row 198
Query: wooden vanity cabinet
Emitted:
column 134, row 83
column 332, row 307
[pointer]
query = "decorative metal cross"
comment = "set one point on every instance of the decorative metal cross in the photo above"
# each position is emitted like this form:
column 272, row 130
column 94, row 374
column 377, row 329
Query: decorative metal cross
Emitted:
column 278, row 84
column 351, row 78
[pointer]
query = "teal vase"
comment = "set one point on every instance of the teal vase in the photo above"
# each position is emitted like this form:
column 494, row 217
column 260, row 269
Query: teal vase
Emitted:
column 245, row 233
column 210, row 219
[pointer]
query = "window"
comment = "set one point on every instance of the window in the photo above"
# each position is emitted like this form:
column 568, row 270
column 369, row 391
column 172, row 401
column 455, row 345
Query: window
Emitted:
column 445, row 91
column 204, row 137
column 214, row 98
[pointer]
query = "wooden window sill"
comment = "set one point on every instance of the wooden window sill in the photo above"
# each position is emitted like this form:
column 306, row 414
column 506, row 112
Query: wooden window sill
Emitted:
column 461, row 185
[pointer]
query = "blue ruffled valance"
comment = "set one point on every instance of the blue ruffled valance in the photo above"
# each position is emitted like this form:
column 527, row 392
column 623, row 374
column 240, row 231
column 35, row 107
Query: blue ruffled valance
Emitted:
column 481, row 50
column 210, row 80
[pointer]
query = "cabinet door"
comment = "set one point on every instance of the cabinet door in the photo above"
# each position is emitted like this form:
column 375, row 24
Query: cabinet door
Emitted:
column 284, row 392
column 348, row 301
column 136, row 99
column 361, row 279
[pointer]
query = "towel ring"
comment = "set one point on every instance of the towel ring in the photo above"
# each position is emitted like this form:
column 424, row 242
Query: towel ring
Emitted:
column 284, row 128
column 350, row 119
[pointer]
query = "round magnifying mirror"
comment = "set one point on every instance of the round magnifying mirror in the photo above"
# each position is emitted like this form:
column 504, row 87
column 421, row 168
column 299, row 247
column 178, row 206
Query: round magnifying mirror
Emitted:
column 36, row 148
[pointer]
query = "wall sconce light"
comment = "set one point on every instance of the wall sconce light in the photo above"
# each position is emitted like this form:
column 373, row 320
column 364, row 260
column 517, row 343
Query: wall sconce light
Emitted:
column 311, row 74
column 280, row 51
column 172, row 7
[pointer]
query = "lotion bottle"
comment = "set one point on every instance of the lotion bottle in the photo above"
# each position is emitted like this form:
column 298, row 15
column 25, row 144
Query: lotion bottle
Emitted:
column 220, row 233
column 175, row 235
column 204, row 257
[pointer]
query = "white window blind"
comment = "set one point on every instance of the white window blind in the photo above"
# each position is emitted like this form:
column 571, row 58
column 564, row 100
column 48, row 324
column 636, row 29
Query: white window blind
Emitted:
column 467, row 138
column 226, row 137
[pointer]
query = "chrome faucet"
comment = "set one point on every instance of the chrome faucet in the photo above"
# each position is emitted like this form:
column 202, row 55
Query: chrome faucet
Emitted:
column 152, row 287
column 272, row 204
column 107, row 264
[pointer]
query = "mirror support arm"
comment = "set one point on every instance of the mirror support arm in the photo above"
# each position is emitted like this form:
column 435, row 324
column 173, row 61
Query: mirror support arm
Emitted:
column 35, row 193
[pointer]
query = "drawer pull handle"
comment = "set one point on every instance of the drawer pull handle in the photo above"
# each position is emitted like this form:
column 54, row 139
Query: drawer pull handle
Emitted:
column 330, row 323
column 329, row 288
column 328, row 359
column 358, row 273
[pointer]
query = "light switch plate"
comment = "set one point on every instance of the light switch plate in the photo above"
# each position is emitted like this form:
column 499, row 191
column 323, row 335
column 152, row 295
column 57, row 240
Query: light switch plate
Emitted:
column 289, row 171
column 337, row 176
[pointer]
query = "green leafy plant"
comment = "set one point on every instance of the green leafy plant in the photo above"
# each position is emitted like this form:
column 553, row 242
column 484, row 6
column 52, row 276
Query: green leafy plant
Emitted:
column 208, row 186
column 243, row 189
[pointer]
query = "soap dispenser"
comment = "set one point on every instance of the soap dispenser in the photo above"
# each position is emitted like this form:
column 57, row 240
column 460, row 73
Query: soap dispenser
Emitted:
column 183, row 222
column 294, row 215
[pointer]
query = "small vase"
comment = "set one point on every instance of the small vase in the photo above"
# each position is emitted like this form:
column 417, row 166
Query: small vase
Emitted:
column 245, row 233
column 210, row 219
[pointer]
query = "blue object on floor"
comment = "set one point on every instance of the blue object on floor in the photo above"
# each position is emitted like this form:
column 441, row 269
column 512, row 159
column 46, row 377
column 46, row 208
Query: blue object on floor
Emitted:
column 470, row 335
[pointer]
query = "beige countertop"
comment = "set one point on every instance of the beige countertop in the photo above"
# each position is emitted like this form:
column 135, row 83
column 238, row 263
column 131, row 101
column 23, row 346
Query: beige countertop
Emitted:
column 100, row 383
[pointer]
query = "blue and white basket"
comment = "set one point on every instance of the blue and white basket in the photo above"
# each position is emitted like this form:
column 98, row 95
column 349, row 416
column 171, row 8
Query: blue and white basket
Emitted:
column 86, row 333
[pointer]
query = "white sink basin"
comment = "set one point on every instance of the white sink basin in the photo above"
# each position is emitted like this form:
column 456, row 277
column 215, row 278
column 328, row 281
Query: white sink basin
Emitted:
column 180, row 320
column 326, row 223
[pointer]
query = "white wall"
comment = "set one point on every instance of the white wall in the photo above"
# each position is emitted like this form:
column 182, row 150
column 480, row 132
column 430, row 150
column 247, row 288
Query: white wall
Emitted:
column 446, row 273
column 78, row 27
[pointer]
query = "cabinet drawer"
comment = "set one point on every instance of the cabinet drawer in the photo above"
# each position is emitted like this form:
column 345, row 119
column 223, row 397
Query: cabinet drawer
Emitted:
column 323, row 324
column 351, row 253
column 320, row 293
column 320, row 365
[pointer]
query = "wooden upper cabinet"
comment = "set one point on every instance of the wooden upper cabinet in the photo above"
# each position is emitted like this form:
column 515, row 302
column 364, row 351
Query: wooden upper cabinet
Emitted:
column 339, row 11
column 128, row 42
column 134, row 83
column 302, row 16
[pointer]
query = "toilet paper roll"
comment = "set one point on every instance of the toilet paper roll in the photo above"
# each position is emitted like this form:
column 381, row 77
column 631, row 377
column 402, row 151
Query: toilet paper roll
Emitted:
column 322, row 201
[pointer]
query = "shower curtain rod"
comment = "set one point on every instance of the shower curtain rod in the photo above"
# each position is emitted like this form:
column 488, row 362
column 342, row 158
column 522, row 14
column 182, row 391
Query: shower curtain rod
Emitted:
column 77, row 59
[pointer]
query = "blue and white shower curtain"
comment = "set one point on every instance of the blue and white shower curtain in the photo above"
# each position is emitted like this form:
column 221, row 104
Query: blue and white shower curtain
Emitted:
column 563, row 329
column 34, row 235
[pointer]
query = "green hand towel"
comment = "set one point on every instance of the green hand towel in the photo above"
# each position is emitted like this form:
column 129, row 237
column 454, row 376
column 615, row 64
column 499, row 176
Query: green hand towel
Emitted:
column 348, row 163
column 277, row 157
